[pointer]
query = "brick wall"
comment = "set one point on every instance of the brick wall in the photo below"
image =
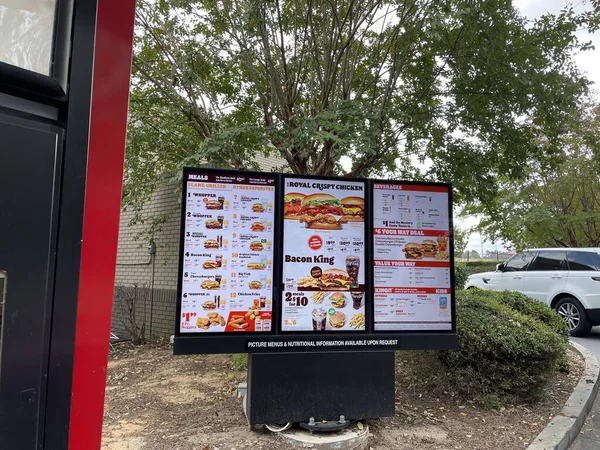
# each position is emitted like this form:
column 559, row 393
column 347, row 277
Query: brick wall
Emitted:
column 152, row 280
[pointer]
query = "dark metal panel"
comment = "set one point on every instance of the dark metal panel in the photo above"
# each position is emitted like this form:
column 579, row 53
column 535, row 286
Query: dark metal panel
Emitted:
column 28, row 195
column 285, row 387
column 60, row 374
column 190, row 345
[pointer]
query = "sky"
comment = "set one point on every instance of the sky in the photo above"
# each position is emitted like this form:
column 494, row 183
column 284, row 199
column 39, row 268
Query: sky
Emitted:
column 588, row 62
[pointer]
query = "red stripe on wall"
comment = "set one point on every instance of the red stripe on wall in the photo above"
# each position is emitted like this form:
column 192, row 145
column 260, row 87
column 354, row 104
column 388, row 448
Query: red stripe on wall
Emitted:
column 106, row 152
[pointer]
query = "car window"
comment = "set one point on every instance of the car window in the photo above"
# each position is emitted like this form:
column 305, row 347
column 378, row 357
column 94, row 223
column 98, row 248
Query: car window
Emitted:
column 549, row 260
column 518, row 262
column 583, row 260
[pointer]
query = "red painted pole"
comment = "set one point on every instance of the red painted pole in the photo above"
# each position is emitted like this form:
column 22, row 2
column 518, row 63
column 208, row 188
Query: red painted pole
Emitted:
column 106, row 152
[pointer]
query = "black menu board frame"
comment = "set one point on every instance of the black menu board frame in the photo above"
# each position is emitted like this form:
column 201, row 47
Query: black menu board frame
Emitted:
column 277, row 340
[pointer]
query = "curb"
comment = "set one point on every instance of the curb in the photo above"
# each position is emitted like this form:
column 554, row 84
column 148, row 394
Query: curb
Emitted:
column 564, row 428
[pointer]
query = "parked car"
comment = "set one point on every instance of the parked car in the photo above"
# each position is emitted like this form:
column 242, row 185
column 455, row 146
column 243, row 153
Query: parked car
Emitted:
column 566, row 279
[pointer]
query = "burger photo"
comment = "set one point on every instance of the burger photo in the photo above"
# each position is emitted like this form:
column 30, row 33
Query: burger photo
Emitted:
column 211, row 243
column 413, row 250
column 210, row 264
column 292, row 204
column 354, row 208
column 338, row 320
column 323, row 221
column 257, row 226
column 210, row 284
column 256, row 266
column 256, row 246
column 258, row 208
column 255, row 285
column 213, row 204
column 338, row 300
column 322, row 211
column 209, row 305
column 213, row 224
column 335, row 280
column 429, row 248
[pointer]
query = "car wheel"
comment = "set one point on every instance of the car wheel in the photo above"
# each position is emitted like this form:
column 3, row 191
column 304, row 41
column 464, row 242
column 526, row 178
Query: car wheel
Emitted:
column 574, row 315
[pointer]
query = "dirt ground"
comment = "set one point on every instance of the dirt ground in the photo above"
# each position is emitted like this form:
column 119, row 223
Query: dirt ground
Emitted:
column 155, row 401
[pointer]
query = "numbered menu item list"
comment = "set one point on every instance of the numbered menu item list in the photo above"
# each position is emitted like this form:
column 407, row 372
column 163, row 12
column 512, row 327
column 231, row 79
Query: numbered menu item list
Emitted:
column 228, row 254
column 323, row 255
column 412, row 284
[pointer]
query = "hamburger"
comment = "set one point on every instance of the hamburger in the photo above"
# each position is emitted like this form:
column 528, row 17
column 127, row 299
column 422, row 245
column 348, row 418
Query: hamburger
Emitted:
column 256, row 246
column 320, row 204
column 210, row 284
column 413, row 250
column 210, row 264
column 209, row 305
column 213, row 204
column 323, row 221
column 258, row 208
column 257, row 226
column 211, row 243
column 256, row 266
column 292, row 204
column 255, row 285
column 338, row 300
column 429, row 248
column 335, row 280
column 213, row 224
column 337, row 320
column 354, row 208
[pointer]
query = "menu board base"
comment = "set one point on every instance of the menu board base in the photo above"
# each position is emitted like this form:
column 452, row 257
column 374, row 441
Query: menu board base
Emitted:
column 294, row 387
column 191, row 345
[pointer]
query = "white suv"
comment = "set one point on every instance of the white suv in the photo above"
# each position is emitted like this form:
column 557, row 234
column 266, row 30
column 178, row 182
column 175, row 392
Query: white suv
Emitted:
column 567, row 279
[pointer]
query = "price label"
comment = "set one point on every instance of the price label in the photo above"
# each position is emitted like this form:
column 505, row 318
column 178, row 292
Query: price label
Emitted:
column 295, row 300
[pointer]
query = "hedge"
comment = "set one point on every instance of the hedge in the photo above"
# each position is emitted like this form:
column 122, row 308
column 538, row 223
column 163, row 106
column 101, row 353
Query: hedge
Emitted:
column 509, row 346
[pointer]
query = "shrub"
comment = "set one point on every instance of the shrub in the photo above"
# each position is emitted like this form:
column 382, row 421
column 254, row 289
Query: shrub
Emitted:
column 507, row 349
column 535, row 309
column 460, row 275
column 239, row 361
column 481, row 266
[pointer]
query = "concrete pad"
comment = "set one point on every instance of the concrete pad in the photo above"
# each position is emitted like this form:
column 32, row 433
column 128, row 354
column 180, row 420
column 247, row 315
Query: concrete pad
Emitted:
column 349, row 439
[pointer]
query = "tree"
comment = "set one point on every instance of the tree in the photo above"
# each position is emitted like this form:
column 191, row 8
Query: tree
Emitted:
column 553, row 208
column 474, row 254
column 352, row 88
column 461, row 239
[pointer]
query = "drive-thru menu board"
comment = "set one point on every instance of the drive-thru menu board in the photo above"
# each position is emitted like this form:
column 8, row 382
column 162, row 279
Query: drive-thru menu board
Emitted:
column 323, row 255
column 227, row 279
column 411, row 257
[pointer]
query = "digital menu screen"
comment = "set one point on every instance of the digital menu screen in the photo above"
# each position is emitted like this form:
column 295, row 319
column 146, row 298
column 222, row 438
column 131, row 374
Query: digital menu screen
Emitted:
column 323, row 280
column 227, row 267
column 411, row 257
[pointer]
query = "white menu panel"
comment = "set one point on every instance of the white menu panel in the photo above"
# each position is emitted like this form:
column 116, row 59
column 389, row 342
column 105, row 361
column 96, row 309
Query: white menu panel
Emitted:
column 227, row 279
column 323, row 255
column 411, row 257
